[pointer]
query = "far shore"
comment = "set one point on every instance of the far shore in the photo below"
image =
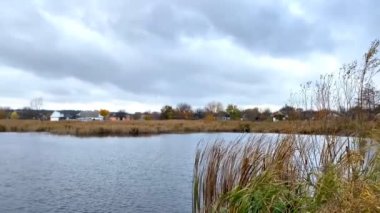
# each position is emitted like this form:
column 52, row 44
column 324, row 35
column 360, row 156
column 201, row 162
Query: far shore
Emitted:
column 155, row 127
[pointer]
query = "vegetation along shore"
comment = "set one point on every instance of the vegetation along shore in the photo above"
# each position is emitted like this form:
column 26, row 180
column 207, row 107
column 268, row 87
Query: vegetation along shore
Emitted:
column 298, row 173
column 138, row 128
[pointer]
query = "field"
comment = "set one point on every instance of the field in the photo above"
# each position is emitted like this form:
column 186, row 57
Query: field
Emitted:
column 136, row 128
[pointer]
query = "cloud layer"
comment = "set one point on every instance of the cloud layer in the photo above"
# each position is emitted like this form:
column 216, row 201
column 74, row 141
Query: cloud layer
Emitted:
column 138, row 55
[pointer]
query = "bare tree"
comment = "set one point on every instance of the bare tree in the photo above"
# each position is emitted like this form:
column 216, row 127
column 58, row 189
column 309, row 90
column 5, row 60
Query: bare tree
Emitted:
column 323, row 90
column 184, row 111
column 214, row 107
column 306, row 95
column 184, row 107
column 36, row 103
column 347, row 86
column 370, row 97
column 368, row 71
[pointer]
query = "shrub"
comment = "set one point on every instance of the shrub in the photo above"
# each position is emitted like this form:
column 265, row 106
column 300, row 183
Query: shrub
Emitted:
column 134, row 131
column 244, row 128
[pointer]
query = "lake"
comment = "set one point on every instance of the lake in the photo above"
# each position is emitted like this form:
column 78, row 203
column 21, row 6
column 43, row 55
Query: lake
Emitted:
column 47, row 173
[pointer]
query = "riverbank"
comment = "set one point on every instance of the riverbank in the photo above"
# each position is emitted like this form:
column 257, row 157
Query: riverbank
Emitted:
column 137, row 128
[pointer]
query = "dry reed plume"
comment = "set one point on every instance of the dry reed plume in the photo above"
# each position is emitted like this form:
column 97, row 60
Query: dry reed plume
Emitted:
column 287, row 174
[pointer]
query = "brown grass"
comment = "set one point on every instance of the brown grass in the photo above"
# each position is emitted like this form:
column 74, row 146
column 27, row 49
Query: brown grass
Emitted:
column 135, row 128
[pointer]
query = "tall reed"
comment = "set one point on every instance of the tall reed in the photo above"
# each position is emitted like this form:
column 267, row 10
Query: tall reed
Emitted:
column 287, row 174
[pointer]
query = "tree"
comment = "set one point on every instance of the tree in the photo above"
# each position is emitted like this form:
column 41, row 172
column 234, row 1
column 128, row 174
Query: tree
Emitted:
column 121, row 115
column 324, row 92
column 3, row 113
column 156, row 115
column 233, row 111
column 137, row 116
column 14, row 115
column 266, row 114
column 167, row 112
column 36, row 103
column 370, row 97
column 184, row 111
column 214, row 107
column 347, row 86
column 252, row 114
column 368, row 71
column 199, row 114
column 291, row 112
column 148, row 116
column 104, row 113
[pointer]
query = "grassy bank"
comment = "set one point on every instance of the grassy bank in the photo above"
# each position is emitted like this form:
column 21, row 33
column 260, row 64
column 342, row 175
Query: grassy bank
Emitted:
column 136, row 128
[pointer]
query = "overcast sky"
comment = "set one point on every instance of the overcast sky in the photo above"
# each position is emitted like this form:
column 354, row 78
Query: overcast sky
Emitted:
column 138, row 55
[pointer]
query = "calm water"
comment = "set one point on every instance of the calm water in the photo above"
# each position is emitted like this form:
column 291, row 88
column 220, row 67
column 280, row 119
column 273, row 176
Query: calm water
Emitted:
column 46, row 173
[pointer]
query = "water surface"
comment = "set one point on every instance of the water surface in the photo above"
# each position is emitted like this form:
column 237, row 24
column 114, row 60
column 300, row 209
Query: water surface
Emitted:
column 46, row 173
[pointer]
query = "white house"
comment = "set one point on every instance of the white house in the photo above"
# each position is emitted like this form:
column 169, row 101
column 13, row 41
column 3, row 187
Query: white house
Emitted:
column 56, row 116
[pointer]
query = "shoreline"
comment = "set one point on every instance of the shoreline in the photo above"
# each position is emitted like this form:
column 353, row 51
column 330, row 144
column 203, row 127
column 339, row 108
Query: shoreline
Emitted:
column 159, row 127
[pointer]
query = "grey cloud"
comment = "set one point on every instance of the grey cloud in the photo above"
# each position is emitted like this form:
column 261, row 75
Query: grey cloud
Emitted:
column 354, row 24
column 269, row 28
column 151, row 60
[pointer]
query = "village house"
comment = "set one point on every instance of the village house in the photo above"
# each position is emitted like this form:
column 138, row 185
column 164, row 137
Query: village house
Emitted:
column 223, row 116
column 119, row 116
column 89, row 116
column 278, row 116
column 56, row 116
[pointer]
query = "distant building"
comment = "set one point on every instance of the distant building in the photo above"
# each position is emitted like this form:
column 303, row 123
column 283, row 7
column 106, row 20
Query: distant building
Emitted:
column 89, row 116
column 278, row 116
column 56, row 116
column 70, row 115
column 119, row 116
column 223, row 116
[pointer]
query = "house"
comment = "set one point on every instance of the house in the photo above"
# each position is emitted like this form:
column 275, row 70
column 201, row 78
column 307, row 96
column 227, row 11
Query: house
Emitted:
column 70, row 114
column 56, row 116
column 223, row 116
column 89, row 116
column 278, row 116
column 119, row 116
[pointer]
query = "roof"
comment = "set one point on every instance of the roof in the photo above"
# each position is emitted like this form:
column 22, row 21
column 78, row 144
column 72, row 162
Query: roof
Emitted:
column 56, row 114
column 88, row 114
column 278, row 113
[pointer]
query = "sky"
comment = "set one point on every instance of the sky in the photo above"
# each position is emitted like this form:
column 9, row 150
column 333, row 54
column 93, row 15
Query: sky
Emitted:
column 138, row 55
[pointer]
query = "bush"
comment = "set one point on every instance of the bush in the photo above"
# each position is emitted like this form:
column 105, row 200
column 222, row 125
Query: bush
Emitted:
column 245, row 128
column 3, row 128
column 134, row 131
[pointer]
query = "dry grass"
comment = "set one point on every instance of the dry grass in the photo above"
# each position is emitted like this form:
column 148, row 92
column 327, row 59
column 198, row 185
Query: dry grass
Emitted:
column 132, row 128
column 135, row 128
column 287, row 174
